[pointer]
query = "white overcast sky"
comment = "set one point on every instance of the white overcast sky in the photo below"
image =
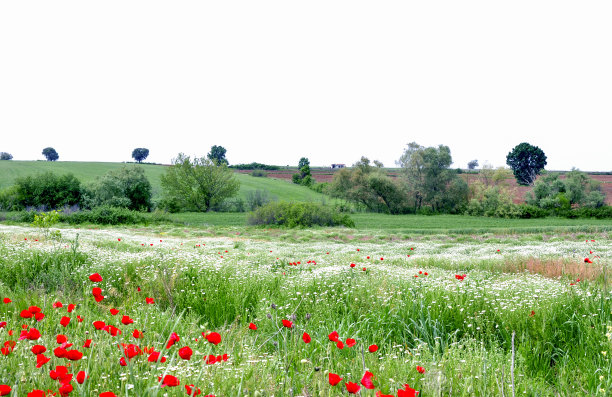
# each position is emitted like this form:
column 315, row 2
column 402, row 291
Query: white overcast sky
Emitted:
column 273, row 81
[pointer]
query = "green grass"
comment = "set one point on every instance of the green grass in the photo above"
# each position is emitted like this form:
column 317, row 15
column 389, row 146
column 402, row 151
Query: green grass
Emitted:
column 87, row 172
column 460, row 224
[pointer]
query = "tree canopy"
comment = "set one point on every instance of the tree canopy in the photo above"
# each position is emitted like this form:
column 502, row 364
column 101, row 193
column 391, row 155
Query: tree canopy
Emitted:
column 127, row 187
column 5, row 156
column 197, row 184
column 50, row 154
column 526, row 161
column 429, row 179
column 217, row 154
column 140, row 154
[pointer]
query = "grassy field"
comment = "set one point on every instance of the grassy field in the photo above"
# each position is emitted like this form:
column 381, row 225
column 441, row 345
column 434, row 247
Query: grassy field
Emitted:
column 397, row 224
column 87, row 172
column 241, row 315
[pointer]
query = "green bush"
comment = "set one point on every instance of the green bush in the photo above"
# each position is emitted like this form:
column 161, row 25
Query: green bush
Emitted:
column 531, row 211
column 298, row 215
column 105, row 215
column 47, row 191
column 259, row 174
column 604, row 212
column 127, row 187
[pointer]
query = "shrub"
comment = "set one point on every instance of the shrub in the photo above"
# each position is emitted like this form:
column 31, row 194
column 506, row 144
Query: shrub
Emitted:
column 531, row 211
column 47, row 191
column 259, row 174
column 255, row 166
column 298, row 215
column 257, row 198
column 105, row 215
column 127, row 188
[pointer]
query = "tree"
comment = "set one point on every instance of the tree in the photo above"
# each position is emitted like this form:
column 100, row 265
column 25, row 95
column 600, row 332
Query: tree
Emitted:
column 50, row 154
column 526, row 161
column 473, row 164
column 217, row 155
column 303, row 161
column 198, row 184
column 430, row 180
column 127, row 187
column 5, row 156
column 140, row 154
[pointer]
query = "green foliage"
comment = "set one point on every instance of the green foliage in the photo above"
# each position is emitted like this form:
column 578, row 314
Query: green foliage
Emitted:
column 47, row 191
column 140, row 154
column 298, row 215
column 369, row 187
column 472, row 164
column 5, row 156
column 257, row 198
column 255, row 166
column 127, row 188
column 558, row 196
column 46, row 220
column 198, row 184
column 217, row 155
column 50, row 154
column 303, row 162
column 105, row 215
column 430, row 181
column 526, row 161
column 259, row 174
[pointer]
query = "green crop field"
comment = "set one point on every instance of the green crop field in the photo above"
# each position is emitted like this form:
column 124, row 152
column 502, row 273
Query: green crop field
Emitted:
column 87, row 172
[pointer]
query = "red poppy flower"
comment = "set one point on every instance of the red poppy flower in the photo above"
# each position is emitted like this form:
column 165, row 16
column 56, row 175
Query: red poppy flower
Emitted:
column 87, row 343
column 39, row 316
column 460, row 277
column 81, row 376
column 350, row 342
column 340, row 345
column 192, row 390
column 57, row 305
column 137, row 334
column 407, row 392
column 420, row 369
column 334, row 379
column 7, row 300
column 38, row 349
column 34, row 309
column 33, row 334
column 169, row 380
column 41, row 360
column 26, row 314
column 185, row 353
column 71, row 307
column 306, row 337
column 74, row 355
column 252, row 326
column 211, row 359
column 372, row 348
column 108, row 394
column 213, row 338
column 173, row 339
column 5, row 390
column 380, row 394
column 114, row 311
column 60, row 352
column 587, row 260
column 366, row 380
column 122, row 362
column 125, row 320
column 287, row 324
column 37, row 393
column 353, row 265
column 333, row 337
column 61, row 339
column 65, row 389
column 65, row 321
column 96, row 278
column 352, row 388
column 149, row 301
column 155, row 357
column 99, row 325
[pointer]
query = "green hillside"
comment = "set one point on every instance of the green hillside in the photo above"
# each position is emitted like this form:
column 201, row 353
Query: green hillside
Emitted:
column 88, row 171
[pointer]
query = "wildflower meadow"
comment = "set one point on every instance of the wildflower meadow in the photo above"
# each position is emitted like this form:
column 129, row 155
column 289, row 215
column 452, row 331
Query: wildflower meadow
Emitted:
column 141, row 312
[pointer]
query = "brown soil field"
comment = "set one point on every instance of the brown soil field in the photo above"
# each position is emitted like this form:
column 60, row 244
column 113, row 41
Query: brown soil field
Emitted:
column 326, row 175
